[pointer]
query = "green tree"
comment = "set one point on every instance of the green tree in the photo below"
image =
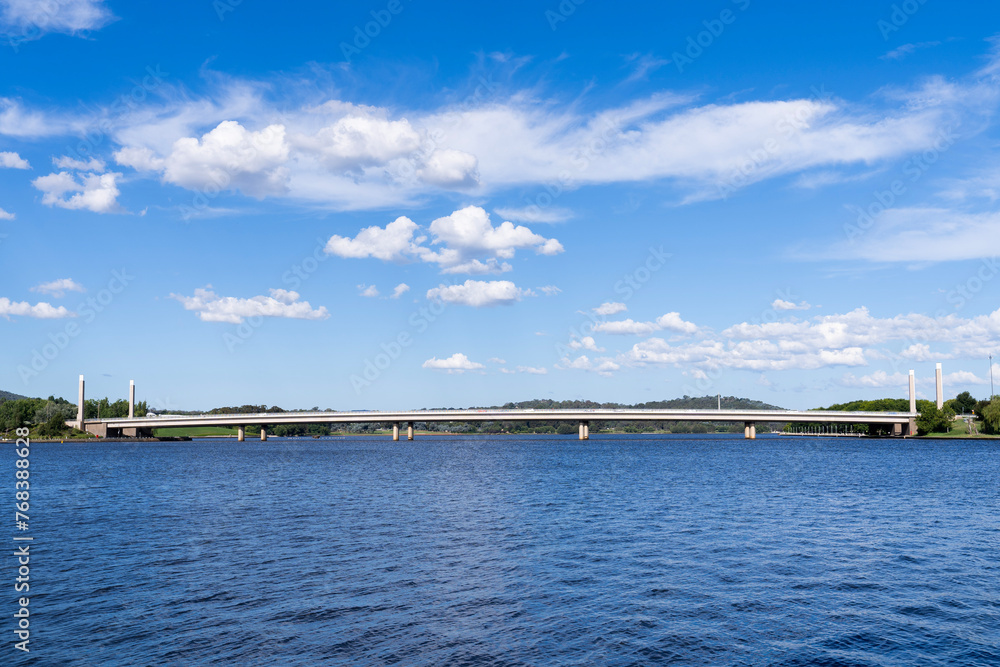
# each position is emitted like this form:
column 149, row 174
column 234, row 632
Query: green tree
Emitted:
column 934, row 420
column 965, row 403
column 55, row 426
column 991, row 416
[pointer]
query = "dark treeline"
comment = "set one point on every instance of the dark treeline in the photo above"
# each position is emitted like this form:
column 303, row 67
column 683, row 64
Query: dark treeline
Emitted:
column 47, row 417
column 540, row 426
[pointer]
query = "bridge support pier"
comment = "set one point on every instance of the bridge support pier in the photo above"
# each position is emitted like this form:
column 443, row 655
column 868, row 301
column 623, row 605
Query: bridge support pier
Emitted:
column 750, row 430
column 409, row 430
column 263, row 433
column 395, row 432
column 241, row 433
column 79, row 408
column 584, row 430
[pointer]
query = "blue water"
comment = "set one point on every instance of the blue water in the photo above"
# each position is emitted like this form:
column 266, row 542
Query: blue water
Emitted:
column 514, row 551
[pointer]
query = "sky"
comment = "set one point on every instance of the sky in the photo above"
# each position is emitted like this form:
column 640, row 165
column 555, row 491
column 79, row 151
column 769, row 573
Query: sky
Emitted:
column 405, row 204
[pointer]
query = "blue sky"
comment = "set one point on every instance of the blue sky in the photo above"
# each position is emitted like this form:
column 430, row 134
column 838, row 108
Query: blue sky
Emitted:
column 408, row 204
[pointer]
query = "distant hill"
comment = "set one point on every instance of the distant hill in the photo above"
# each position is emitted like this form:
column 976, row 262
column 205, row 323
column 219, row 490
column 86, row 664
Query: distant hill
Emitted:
column 683, row 403
column 10, row 396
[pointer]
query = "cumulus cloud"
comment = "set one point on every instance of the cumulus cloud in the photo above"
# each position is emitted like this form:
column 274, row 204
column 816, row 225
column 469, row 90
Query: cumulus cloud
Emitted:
column 229, row 157
column 41, row 310
column 399, row 290
column 585, row 343
column 601, row 366
column 393, row 243
column 610, row 308
column 549, row 290
column 11, row 160
column 782, row 304
column 92, row 192
column 755, row 355
column 478, row 293
column 356, row 142
column 449, row 168
column 211, row 307
column 668, row 322
column 456, row 363
column 532, row 370
column 32, row 18
column 849, row 339
column 6, row 215
column 463, row 242
column 368, row 290
column 58, row 288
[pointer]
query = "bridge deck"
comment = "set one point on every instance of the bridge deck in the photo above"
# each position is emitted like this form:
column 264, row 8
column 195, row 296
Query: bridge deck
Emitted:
column 273, row 418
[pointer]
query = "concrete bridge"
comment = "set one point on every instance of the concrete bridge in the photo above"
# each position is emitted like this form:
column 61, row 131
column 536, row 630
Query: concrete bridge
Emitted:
column 901, row 423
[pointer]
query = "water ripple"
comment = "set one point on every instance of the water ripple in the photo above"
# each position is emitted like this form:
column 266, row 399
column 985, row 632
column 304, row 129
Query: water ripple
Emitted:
column 517, row 551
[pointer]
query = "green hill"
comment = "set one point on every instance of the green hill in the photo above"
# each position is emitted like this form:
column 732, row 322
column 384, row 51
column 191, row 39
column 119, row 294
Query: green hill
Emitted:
column 10, row 396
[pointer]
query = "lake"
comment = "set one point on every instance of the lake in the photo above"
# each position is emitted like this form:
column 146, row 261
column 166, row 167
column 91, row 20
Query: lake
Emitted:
column 514, row 550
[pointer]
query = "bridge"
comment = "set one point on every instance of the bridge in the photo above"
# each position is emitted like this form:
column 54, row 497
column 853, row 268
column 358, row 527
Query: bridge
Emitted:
column 900, row 423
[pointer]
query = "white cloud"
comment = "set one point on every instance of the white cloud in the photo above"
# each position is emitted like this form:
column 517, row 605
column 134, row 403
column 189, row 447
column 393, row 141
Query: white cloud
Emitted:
column 479, row 293
column 849, row 339
column 33, row 17
column 58, row 288
column 534, row 213
column 610, row 308
column 668, row 321
column 11, row 160
column 6, row 215
column 468, row 242
column 626, row 327
column 16, row 121
column 883, row 380
column 877, row 380
column 93, row 192
column 496, row 360
column 449, row 168
column 399, row 290
column 469, row 231
column 549, row 290
column 533, row 370
column 41, row 310
column 358, row 141
column 920, row 235
column 604, row 366
column 782, row 304
column 703, row 147
column 963, row 378
column 673, row 322
column 211, row 307
column 919, row 352
column 229, row 157
column 367, row 290
column 340, row 155
column 456, row 363
column 394, row 243
column 906, row 49
column 755, row 355
column 65, row 162
column 585, row 343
